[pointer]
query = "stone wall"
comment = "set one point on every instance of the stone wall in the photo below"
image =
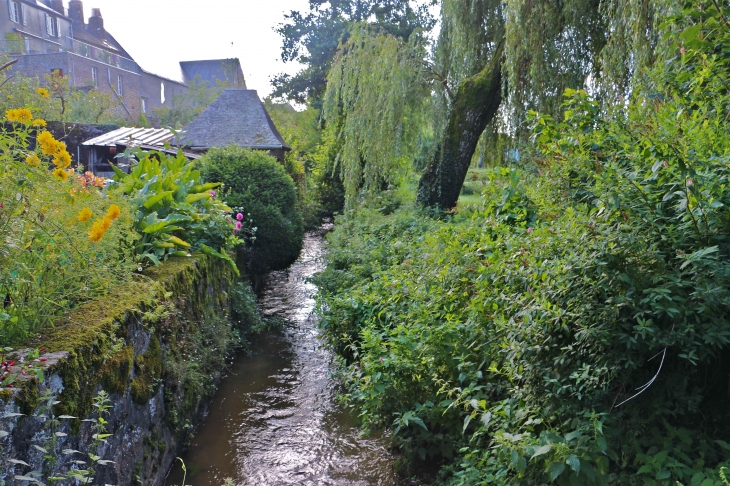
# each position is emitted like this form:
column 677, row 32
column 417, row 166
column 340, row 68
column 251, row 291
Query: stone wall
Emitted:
column 151, row 344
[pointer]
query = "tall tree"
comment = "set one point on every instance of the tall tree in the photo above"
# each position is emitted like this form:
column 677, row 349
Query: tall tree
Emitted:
column 312, row 38
column 506, row 57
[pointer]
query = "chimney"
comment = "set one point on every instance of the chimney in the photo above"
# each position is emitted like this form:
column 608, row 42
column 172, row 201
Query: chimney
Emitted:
column 96, row 23
column 57, row 5
column 76, row 11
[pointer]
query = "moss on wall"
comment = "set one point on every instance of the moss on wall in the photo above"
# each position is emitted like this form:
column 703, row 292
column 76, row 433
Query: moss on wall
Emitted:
column 93, row 333
column 148, row 370
column 116, row 371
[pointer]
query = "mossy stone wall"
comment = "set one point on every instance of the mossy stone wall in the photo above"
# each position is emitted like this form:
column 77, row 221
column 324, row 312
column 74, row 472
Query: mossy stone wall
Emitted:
column 125, row 343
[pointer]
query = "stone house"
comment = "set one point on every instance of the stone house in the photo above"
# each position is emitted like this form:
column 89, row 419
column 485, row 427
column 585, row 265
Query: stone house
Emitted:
column 236, row 117
column 47, row 38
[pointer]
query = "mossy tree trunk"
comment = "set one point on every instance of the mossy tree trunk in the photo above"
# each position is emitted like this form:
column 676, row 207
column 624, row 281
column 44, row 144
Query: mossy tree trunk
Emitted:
column 474, row 106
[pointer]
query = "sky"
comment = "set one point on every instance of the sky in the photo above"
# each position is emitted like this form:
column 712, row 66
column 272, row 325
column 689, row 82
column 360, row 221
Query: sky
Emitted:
column 159, row 34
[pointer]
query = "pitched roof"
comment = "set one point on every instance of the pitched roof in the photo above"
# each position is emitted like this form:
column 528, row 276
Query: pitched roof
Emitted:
column 237, row 117
column 213, row 70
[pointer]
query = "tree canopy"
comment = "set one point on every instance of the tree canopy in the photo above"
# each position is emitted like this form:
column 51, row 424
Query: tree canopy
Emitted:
column 313, row 37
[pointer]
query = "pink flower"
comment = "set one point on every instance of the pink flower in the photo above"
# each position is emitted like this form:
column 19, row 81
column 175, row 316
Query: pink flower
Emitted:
column 689, row 182
column 382, row 360
column 239, row 216
column 665, row 163
column 539, row 172
column 529, row 230
column 681, row 50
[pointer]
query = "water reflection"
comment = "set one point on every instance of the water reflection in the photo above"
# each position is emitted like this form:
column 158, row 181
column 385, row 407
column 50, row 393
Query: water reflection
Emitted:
column 274, row 420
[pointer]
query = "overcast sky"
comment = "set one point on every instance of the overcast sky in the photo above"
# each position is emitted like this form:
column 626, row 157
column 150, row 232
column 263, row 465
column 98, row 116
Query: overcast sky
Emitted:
column 160, row 33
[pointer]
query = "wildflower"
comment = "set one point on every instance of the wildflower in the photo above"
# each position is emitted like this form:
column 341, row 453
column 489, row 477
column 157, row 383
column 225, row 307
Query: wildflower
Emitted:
column 682, row 51
column 106, row 222
column 84, row 215
column 664, row 162
column 529, row 230
column 60, row 173
column 96, row 233
column 49, row 145
column 239, row 217
column 689, row 182
column 39, row 122
column 62, row 159
column 33, row 160
column 113, row 212
column 212, row 193
column 43, row 92
column 21, row 115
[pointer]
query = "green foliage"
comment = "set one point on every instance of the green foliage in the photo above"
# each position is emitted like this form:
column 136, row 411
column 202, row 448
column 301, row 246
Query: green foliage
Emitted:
column 260, row 185
column 48, row 262
column 312, row 38
column 176, row 212
column 374, row 94
column 573, row 328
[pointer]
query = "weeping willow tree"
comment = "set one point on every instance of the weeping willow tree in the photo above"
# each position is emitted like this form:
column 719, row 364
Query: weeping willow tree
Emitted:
column 501, row 58
column 374, row 92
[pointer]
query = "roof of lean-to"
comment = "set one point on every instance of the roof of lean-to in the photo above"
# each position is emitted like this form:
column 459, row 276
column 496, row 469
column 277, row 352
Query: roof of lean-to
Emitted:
column 236, row 117
column 144, row 138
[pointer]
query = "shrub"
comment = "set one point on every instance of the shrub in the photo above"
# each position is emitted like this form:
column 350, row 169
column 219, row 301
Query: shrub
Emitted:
column 256, row 182
column 175, row 212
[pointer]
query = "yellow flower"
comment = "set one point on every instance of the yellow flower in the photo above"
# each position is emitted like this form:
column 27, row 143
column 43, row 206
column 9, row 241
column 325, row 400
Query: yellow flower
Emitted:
column 106, row 222
column 22, row 115
column 62, row 174
column 49, row 145
column 39, row 122
column 113, row 212
column 84, row 215
column 33, row 160
column 96, row 233
column 62, row 159
column 43, row 92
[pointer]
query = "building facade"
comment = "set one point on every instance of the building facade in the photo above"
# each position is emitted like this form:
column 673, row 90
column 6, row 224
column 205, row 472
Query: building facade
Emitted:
column 48, row 38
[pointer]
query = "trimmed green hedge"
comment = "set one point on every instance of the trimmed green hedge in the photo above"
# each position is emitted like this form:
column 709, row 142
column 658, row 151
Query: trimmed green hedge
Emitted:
column 260, row 185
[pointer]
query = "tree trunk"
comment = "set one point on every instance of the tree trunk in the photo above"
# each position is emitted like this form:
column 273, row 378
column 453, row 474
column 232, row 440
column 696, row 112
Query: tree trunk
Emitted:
column 474, row 106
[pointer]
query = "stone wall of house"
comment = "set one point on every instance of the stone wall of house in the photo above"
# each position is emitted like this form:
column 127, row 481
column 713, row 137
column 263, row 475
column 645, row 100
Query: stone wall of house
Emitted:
column 129, row 344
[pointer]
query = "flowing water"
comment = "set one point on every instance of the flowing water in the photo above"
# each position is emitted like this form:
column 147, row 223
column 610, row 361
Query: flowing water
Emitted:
column 275, row 419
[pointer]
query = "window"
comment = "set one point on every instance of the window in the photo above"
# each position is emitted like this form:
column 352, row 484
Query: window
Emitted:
column 52, row 26
column 24, row 14
column 144, row 105
column 15, row 12
column 162, row 93
column 120, row 87
column 95, row 77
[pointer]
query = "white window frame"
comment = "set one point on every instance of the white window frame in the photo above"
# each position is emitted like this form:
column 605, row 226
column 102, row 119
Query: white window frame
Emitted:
column 95, row 76
column 53, row 26
column 162, row 93
column 143, row 104
column 120, row 85
column 15, row 11
column 24, row 14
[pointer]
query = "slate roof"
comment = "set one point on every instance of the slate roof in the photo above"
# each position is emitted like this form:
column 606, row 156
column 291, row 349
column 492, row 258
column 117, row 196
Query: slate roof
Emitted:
column 214, row 70
column 237, row 117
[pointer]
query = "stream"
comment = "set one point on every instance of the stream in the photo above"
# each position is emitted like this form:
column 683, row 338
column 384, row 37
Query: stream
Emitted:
column 275, row 419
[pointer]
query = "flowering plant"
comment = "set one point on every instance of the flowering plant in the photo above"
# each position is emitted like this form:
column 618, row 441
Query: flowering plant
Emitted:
column 62, row 242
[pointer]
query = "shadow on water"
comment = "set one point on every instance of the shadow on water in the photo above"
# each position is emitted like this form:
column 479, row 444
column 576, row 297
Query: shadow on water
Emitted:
column 275, row 419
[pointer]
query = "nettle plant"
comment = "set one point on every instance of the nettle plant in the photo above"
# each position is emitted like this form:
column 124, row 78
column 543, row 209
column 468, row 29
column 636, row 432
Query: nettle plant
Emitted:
column 59, row 463
column 176, row 212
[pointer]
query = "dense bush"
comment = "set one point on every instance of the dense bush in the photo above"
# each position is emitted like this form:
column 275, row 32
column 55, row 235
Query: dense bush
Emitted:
column 175, row 212
column 260, row 185
column 576, row 329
